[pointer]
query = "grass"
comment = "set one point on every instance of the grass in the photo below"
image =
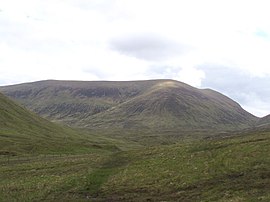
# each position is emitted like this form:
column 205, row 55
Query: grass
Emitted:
column 43, row 161
column 236, row 169
column 40, row 160
column 46, row 177
column 57, row 177
column 222, row 169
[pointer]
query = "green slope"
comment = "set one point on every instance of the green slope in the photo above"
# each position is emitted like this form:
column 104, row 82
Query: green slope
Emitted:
column 23, row 132
column 230, row 169
column 235, row 168
column 154, row 106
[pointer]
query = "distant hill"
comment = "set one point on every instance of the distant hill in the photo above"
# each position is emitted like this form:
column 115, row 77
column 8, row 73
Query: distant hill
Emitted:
column 23, row 132
column 156, row 105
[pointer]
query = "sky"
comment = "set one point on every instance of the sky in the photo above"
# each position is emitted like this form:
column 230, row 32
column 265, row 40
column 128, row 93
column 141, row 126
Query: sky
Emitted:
column 219, row 44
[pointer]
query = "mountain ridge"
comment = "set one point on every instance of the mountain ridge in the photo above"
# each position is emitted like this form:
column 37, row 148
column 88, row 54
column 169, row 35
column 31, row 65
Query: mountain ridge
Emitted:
column 150, row 104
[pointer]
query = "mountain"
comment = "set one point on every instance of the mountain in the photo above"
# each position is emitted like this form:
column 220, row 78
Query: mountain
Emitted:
column 155, row 105
column 23, row 132
column 230, row 166
column 70, row 101
column 174, row 105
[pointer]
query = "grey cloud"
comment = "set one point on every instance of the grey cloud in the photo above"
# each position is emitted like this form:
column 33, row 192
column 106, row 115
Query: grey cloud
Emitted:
column 238, row 84
column 148, row 47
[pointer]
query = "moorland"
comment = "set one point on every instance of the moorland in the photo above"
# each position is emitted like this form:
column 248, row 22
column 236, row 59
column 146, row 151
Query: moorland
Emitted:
column 156, row 140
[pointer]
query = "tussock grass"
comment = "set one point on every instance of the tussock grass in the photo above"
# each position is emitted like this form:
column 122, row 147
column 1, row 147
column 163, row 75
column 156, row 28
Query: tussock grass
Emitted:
column 232, row 169
column 221, row 169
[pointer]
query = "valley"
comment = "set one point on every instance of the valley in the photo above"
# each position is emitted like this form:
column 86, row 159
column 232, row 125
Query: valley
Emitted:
column 156, row 140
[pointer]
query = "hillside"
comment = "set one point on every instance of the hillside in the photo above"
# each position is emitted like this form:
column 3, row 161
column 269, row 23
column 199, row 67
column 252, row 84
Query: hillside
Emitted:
column 23, row 132
column 226, row 169
column 235, row 168
column 71, row 101
column 155, row 105
column 232, row 166
column 171, row 105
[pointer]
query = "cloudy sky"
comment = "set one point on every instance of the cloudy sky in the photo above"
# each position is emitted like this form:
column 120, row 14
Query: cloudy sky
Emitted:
column 218, row 44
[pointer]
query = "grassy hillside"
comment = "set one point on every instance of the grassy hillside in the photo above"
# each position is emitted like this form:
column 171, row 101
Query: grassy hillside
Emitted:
column 155, row 106
column 23, row 132
column 234, row 168
column 40, row 160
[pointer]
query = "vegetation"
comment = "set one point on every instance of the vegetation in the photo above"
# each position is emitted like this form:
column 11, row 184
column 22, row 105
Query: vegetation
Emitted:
column 40, row 160
column 23, row 132
column 221, row 169
column 47, row 177
column 233, row 169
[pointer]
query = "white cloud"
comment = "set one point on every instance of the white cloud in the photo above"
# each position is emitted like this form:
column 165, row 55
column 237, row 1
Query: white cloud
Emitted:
column 249, row 90
column 155, row 39
column 191, row 76
column 256, row 105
